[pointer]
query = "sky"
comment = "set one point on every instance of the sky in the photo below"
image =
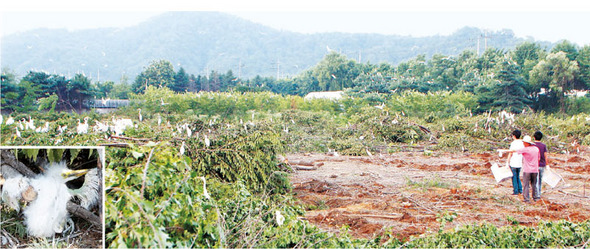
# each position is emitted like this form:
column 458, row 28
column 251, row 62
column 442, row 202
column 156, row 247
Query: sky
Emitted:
column 541, row 19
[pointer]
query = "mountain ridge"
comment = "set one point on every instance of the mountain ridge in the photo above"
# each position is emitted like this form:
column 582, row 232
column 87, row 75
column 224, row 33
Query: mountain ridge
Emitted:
column 201, row 42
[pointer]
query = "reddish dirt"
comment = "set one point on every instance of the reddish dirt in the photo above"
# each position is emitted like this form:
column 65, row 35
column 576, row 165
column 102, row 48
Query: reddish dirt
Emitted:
column 406, row 193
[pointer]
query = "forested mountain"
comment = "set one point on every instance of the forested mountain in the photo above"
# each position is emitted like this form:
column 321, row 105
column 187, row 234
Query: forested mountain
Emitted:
column 202, row 42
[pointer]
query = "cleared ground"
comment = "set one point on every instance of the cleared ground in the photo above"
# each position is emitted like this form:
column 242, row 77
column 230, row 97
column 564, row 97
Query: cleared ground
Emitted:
column 406, row 192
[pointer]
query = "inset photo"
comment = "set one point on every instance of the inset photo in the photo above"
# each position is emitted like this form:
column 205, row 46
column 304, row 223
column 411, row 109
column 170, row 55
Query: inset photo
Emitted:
column 52, row 197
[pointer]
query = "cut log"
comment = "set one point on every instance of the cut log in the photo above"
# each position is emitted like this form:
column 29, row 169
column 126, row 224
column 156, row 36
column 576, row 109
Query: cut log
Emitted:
column 299, row 167
column 302, row 162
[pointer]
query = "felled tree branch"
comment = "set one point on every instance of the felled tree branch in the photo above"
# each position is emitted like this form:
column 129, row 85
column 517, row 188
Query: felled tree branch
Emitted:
column 83, row 213
column 8, row 158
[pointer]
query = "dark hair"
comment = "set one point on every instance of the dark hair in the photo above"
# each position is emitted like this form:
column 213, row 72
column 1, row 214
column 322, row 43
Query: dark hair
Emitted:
column 538, row 135
column 516, row 133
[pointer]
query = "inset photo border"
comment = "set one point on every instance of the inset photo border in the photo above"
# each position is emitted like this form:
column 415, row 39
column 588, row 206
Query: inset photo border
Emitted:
column 52, row 197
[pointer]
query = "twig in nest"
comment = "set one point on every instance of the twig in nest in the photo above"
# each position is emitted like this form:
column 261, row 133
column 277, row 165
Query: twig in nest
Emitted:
column 83, row 213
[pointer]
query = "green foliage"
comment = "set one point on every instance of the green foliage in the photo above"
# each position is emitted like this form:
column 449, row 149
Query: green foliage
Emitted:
column 159, row 73
column 556, row 73
column 48, row 103
column 230, row 193
column 546, row 234
column 434, row 182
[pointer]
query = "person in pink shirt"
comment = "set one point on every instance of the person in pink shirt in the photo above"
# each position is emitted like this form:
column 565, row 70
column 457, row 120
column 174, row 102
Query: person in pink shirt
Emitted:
column 530, row 168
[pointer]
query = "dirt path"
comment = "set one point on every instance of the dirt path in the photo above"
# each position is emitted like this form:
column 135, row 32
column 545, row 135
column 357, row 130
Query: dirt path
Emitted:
column 407, row 192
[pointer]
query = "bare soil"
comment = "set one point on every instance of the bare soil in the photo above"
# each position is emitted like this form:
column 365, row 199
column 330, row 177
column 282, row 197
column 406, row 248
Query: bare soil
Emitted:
column 406, row 192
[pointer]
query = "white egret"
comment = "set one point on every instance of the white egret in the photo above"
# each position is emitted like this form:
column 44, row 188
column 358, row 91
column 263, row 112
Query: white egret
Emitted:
column 121, row 124
column 48, row 214
column 17, row 132
column 20, row 124
column 139, row 114
column 189, row 132
column 159, row 120
column 182, row 149
column 30, row 124
column 102, row 127
column 12, row 190
column 10, row 120
column 207, row 141
column 61, row 129
column 205, row 193
column 43, row 129
column 82, row 127
column 279, row 218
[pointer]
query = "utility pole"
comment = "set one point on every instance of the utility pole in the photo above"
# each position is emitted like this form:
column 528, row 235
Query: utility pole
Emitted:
column 278, row 69
column 240, row 69
column 359, row 56
column 478, row 44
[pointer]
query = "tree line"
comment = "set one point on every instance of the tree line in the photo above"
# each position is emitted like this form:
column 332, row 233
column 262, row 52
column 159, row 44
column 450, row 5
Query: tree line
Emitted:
column 528, row 76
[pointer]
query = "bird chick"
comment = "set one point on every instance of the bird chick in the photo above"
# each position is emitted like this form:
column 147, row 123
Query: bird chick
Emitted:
column 48, row 214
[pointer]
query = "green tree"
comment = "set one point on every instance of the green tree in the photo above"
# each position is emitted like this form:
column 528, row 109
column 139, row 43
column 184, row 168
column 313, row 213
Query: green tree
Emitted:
column 159, row 74
column 527, row 55
column 583, row 60
column 555, row 74
column 506, row 91
column 443, row 70
column 120, row 91
column 79, row 89
column 335, row 72
column 103, row 90
column 570, row 49
column 181, row 81
column 9, row 90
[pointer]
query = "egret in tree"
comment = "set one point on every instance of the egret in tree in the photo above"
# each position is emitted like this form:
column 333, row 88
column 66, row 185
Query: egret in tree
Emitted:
column 207, row 141
column 139, row 114
column 205, row 193
column 82, row 127
column 182, row 149
column 10, row 120
column 30, row 124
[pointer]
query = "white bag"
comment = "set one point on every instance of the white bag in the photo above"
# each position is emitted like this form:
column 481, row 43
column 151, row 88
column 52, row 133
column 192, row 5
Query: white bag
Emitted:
column 551, row 177
column 501, row 173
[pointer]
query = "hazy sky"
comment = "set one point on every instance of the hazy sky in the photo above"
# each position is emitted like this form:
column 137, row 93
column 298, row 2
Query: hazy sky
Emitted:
column 541, row 19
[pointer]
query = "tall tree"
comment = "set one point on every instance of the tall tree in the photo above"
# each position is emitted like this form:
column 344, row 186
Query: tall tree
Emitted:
column 570, row 49
column 583, row 60
column 335, row 72
column 181, row 81
column 527, row 55
column 9, row 90
column 556, row 73
column 159, row 73
column 506, row 91
column 79, row 90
